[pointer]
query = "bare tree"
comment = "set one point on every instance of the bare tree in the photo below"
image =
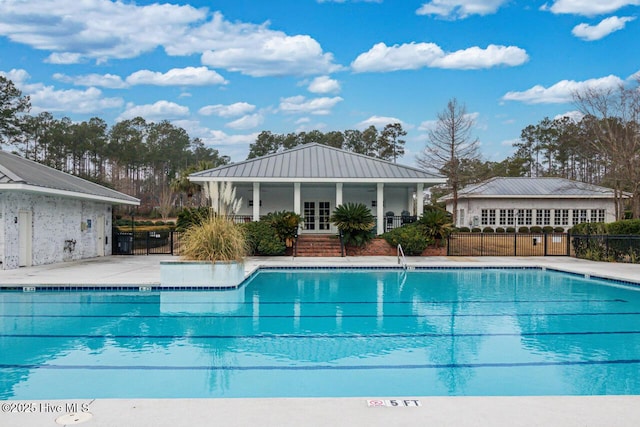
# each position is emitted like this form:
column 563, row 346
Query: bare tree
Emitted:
column 450, row 143
column 613, row 116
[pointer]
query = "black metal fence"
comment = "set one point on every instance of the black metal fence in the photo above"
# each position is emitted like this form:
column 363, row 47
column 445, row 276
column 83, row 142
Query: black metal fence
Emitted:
column 146, row 243
column 604, row 247
column 508, row 244
column 391, row 222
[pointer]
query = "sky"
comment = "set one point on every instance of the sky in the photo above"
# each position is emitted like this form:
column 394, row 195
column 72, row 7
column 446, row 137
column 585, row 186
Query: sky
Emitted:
column 225, row 70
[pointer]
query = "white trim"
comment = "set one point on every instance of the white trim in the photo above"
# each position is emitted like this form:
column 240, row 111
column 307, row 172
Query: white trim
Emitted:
column 338, row 194
column 321, row 180
column 256, row 201
column 297, row 207
column 380, row 207
column 64, row 193
column 419, row 199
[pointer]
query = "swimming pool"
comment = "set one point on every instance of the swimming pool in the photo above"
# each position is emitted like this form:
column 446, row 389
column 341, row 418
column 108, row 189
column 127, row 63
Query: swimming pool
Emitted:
column 328, row 332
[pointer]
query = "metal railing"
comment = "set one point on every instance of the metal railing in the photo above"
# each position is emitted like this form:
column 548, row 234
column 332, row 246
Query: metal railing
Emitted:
column 391, row 222
column 606, row 247
column 508, row 244
column 146, row 242
column 401, row 258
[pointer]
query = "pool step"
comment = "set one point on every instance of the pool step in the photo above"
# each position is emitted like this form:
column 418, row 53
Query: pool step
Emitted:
column 320, row 245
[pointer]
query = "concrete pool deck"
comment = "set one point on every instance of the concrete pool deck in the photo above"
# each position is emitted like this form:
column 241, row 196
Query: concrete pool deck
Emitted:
column 565, row 411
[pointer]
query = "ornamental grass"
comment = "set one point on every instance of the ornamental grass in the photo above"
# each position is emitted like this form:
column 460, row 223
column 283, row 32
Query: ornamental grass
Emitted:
column 215, row 239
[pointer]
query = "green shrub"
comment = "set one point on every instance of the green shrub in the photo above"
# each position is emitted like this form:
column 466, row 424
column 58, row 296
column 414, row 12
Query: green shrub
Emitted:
column 284, row 223
column 355, row 222
column 476, row 230
column 547, row 229
column 159, row 223
column 262, row 239
column 487, row 230
column 464, row 229
column 536, row 229
column 523, row 229
column 558, row 229
column 511, row 229
column 191, row 216
column 627, row 226
column 215, row 239
column 436, row 223
column 499, row 230
column 411, row 237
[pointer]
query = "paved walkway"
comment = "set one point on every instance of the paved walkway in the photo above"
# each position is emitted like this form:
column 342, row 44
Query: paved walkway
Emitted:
column 145, row 270
column 547, row 411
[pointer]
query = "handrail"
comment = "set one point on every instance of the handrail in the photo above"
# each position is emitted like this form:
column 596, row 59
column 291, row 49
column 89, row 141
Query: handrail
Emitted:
column 400, row 253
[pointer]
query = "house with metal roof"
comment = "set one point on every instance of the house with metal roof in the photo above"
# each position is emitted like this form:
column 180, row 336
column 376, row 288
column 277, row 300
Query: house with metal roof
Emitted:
column 48, row 216
column 313, row 179
column 517, row 202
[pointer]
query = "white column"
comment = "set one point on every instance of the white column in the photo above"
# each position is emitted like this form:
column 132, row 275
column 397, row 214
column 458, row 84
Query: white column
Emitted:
column 419, row 199
column 338, row 194
column 296, row 198
column 380, row 207
column 256, row 201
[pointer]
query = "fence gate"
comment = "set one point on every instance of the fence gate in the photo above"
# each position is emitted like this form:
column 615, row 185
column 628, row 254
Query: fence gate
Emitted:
column 146, row 243
column 508, row 244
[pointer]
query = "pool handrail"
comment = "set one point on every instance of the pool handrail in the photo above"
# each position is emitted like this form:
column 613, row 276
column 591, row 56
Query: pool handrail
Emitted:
column 400, row 254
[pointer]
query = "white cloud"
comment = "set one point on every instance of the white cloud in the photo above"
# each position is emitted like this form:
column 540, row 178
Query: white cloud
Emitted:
column 110, row 81
column 413, row 56
column 324, row 84
column 249, row 121
column 588, row 7
column 189, row 76
column 98, row 29
column 19, row 77
column 254, row 50
column 91, row 100
column 602, row 29
column 453, row 9
column 75, row 31
column 429, row 125
column 380, row 122
column 574, row 115
column 561, row 92
column 161, row 110
column 226, row 111
column 300, row 105
column 64, row 58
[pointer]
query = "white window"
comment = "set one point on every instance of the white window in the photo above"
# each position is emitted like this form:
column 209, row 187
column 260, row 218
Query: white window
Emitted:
column 527, row 218
column 597, row 215
column 461, row 217
column 488, row 217
column 565, row 216
column 503, row 217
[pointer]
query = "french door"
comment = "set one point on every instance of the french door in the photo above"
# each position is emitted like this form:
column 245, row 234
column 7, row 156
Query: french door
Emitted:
column 316, row 216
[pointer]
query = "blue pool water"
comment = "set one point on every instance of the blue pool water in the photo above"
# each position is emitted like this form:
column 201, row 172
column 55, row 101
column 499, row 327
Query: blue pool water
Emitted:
column 292, row 333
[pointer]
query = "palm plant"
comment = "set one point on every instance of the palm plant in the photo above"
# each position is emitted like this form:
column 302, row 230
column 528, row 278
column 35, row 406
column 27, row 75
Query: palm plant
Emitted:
column 355, row 222
column 437, row 223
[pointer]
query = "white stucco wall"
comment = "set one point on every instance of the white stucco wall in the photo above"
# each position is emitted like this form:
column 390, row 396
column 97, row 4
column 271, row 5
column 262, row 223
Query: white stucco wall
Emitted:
column 54, row 220
column 473, row 208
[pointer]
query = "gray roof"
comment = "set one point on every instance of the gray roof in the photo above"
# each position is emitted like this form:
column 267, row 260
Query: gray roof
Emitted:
column 532, row 188
column 17, row 173
column 316, row 162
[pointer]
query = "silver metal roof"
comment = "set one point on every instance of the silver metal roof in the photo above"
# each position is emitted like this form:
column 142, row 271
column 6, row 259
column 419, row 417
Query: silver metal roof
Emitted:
column 17, row 171
column 316, row 161
column 533, row 187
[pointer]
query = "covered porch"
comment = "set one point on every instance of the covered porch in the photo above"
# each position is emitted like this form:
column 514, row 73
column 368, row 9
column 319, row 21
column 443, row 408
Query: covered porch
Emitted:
column 392, row 204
